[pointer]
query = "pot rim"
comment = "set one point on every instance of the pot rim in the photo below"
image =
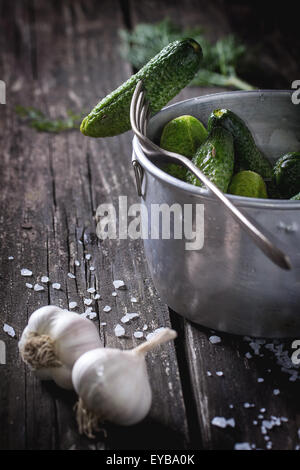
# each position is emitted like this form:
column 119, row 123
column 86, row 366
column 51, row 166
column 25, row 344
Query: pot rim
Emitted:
column 188, row 188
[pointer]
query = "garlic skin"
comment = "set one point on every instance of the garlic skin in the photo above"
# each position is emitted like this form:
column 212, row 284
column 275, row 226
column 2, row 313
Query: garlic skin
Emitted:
column 53, row 340
column 113, row 385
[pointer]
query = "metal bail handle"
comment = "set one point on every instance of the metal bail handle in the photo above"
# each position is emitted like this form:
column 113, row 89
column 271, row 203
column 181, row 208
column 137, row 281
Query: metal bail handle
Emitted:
column 139, row 173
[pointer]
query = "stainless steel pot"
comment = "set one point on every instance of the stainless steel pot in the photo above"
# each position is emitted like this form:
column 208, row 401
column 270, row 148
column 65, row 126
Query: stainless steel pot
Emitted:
column 229, row 284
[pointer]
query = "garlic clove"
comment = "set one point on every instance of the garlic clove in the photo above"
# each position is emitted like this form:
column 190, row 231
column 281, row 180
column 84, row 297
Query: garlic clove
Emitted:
column 113, row 385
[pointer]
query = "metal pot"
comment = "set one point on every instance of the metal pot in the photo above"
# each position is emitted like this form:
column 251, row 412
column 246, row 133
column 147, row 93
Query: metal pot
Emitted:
column 229, row 284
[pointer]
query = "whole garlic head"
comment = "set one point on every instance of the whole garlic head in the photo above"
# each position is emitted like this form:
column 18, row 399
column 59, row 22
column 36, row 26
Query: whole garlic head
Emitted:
column 53, row 340
column 113, row 385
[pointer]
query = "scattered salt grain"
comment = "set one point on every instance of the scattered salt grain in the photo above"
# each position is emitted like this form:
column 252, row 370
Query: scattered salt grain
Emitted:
column 71, row 276
column 97, row 296
column 128, row 317
column 215, row 339
column 91, row 290
column 45, row 279
column 242, row 446
column 249, row 405
column 133, row 300
column 269, row 445
column 208, row 373
column 38, row 287
column 119, row 284
column 248, row 355
column 150, row 335
column 231, row 406
column 88, row 301
column 72, row 305
column 88, row 257
column 107, row 308
column 219, row 373
column 92, row 315
column 119, row 331
column 276, row 391
column 56, row 285
column 77, row 263
column 260, row 380
column 138, row 334
column 92, row 268
column 9, row 330
column 114, row 294
column 10, row 257
column 26, row 272
column 255, row 422
column 262, row 410
column 221, row 422
column 103, row 323
column 145, row 327
column 30, row 286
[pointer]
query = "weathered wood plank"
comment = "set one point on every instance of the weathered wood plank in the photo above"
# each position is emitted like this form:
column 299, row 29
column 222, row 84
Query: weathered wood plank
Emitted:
column 58, row 181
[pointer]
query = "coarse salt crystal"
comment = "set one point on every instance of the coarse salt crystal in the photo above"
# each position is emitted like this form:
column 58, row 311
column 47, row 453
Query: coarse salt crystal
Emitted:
column 119, row 331
column 219, row 373
column 72, row 305
column 208, row 373
column 30, row 286
column 71, row 276
column 92, row 268
column 214, row 339
column 138, row 334
column 92, row 315
column 114, row 294
column 77, row 263
column 45, row 279
column 10, row 257
column 97, row 296
column 9, row 330
column 26, row 272
column 56, row 285
column 88, row 301
column 145, row 327
column 107, row 308
column 103, row 323
column 91, row 290
column 242, row 446
column 129, row 316
column 38, row 287
column 133, row 300
column 276, row 391
column 118, row 284
column 260, row 380
column 221, row 422
column 88, row 256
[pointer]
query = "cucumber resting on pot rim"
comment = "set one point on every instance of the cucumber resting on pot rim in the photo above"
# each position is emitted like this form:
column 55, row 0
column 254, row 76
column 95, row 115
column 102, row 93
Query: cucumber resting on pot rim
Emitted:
column 247, row 154
column 248, row 183
column 163, row 77
column 287, row 174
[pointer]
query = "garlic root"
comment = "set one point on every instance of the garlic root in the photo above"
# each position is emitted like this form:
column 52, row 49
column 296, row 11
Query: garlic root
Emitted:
column 158, row 338
column 38, row 351
column 87, row 422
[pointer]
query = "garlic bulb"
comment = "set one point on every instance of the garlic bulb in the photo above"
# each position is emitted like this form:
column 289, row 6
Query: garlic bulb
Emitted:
column 113, row 385
column 53, row 340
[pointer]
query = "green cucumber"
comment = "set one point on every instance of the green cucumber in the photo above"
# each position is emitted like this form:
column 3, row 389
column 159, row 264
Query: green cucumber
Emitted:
column 248, row 183
column 183, row 135
column 247, row 154
column 287, row 174
column 215, row 158
column 163, row 77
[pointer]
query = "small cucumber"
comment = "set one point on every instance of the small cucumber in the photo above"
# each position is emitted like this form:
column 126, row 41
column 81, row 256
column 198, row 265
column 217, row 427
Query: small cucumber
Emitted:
column 247, row 154
column 248, row 183
column 215, row 158
column 163, row 77
column 287, row 174
column 183, row 135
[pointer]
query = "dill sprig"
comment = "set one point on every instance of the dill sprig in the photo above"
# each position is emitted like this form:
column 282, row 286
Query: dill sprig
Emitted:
column 39, row 121
column 220, row 60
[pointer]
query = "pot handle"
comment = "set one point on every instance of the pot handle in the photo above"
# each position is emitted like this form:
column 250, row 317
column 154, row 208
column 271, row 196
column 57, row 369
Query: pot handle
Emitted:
column 139, row 173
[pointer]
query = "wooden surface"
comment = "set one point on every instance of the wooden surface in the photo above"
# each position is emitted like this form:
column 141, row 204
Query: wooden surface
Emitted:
column 64, row 55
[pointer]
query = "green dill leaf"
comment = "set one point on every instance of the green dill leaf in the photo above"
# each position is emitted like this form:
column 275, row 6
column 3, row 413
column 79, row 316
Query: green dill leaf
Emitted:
column 220, row 60
column 37, row 120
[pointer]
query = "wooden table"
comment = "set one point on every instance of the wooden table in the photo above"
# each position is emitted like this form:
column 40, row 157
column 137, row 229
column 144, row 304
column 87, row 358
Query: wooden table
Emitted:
column 64, row 55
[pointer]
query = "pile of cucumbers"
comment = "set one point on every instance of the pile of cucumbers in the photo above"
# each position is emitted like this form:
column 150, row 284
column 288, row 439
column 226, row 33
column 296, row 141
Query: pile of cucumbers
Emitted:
column 228, row 155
